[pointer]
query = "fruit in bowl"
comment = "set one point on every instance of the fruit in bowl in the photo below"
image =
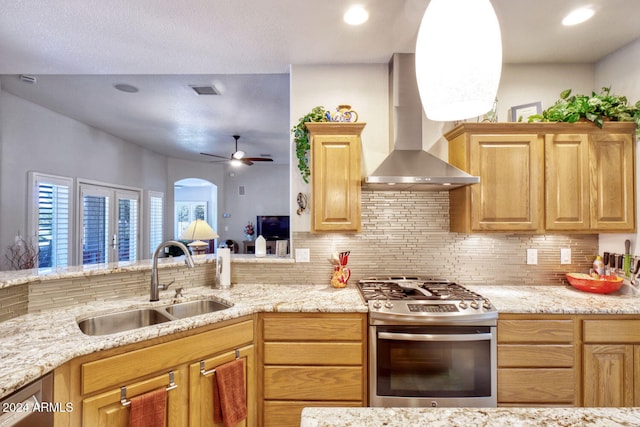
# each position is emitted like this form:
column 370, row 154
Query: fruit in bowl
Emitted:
column 596, row 284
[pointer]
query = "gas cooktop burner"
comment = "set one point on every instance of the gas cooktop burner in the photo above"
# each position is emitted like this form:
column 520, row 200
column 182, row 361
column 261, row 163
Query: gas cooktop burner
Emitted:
column 424, row 299
column 413, row 288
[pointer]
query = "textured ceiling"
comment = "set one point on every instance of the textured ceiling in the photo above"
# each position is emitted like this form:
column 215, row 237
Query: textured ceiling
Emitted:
column 202, row 41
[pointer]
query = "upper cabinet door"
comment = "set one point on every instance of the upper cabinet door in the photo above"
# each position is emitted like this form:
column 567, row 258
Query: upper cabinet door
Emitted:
column 612, row 182
column 567, row 193
column 335, row 176
column 509, row 196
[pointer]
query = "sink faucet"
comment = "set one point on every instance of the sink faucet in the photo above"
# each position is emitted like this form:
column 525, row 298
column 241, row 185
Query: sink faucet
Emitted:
column 155, row 286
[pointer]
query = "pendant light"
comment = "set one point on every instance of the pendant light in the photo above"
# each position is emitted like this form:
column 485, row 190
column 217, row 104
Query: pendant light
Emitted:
column 458, row 59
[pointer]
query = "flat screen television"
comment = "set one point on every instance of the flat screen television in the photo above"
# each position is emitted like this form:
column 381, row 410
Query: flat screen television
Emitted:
column 273, row 227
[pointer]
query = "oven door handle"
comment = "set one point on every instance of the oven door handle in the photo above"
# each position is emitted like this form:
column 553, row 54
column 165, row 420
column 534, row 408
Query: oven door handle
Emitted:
column 434, row 337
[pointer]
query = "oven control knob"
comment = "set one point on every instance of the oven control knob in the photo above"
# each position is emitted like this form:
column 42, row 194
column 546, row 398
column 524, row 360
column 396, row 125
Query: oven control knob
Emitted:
column 487, row 304
column 388, row 304
column 462, row 305
column 377, row 304
column 474, row 304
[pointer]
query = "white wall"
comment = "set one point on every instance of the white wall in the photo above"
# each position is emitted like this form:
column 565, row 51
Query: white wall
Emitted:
column 33, row 138
column 266, row 192
column 621, row 71
column 365, row 88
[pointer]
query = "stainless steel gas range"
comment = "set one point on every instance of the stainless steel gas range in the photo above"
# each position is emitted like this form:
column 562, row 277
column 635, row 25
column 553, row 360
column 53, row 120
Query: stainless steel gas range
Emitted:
column 431, row 343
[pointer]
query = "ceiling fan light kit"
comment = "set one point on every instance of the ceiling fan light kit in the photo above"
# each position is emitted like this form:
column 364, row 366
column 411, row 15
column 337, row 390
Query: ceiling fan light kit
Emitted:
column 238, row 158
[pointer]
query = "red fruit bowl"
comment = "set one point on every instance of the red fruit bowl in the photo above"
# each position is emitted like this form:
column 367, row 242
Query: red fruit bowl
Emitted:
column 601, row 285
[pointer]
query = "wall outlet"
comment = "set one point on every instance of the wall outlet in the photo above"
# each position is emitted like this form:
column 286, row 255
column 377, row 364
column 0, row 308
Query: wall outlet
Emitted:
column 302, row 255
column 532, row 256
column 565, row 255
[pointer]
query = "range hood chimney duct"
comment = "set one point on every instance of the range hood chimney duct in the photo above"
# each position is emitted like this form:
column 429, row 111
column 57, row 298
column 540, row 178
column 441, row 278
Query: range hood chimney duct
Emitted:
column 408, row 166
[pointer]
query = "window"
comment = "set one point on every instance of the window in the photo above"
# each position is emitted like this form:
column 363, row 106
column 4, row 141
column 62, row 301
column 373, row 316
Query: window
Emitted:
column 156, row 206
column 110, row 223
column 186, row 213
column 51, row 207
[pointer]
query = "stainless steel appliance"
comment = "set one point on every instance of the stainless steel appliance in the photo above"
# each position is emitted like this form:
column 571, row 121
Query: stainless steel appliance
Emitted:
column 29, row 406
column 431, row 343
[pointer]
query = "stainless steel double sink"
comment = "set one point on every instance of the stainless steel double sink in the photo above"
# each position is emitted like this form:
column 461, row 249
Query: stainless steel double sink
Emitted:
column 137, row 318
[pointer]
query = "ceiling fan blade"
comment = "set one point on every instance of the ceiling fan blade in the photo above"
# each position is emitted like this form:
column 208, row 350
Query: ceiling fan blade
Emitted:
column 215, row 155
column 247, row 162
column 258, row 159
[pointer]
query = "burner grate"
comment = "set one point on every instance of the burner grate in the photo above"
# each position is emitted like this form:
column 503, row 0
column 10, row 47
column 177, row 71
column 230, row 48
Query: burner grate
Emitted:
column 393, row 289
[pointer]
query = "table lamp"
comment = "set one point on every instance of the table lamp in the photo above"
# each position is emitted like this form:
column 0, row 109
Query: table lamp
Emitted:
column 198, row 231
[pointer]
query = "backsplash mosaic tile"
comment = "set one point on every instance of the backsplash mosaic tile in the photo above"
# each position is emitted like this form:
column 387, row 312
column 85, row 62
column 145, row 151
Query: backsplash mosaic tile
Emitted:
column 402, row 233
column 406, row 232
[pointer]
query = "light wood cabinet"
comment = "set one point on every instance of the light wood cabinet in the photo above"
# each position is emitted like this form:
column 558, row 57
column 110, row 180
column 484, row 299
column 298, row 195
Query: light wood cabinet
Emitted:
column 201, row 387
column 93, row 382
column 335, row 176
column 538, row 361
column 311, row 360
column 106, row 410
column 544, row 177
column 590, row 182
column 611, row 363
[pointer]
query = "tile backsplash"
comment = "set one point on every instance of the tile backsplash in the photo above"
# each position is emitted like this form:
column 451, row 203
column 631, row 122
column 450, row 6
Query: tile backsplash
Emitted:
column 406, row 232
column 402, row 233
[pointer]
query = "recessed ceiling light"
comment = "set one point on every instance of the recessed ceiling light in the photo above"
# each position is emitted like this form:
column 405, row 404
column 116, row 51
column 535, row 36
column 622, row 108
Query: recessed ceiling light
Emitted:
column 124, row 87
column 356, row 15
column 578, row 16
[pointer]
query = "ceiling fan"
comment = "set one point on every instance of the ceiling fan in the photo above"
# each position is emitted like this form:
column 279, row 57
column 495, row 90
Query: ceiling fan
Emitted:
column 238, row 156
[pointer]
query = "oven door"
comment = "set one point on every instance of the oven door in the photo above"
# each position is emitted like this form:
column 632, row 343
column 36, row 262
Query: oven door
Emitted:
column 433, row 366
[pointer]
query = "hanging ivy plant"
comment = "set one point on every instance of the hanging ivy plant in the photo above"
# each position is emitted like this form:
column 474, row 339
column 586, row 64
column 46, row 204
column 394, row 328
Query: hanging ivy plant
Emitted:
column 301, row 138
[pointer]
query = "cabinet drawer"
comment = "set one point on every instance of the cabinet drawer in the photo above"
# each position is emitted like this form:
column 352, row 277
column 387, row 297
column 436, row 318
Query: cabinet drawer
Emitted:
column 612, row 331
column 535, row 331
column 535, row 356
column 536, row 386
column 287, row 414
column 290, row 328
column 313, row 383
column 117, row 370
column 317, row 353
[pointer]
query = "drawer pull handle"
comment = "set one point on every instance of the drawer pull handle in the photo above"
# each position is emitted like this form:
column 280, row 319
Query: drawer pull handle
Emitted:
column 123, row 390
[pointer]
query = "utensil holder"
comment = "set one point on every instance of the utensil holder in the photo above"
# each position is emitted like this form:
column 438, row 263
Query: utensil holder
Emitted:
column 340, row 276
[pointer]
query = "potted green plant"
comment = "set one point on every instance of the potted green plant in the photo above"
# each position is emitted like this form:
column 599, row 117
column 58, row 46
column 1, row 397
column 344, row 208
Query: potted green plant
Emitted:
column 301, row 139
column 597, row 108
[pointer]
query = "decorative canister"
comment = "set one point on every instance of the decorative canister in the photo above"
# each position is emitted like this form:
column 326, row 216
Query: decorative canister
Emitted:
column 343, row 113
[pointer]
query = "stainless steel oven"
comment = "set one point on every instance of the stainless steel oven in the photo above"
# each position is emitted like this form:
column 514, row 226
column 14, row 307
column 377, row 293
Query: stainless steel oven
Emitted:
column 430, row 347
column 432, row 366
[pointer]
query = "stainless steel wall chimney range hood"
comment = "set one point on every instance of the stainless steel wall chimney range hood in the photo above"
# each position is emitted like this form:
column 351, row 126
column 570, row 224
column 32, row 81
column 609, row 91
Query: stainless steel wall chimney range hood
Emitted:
column 408, row 167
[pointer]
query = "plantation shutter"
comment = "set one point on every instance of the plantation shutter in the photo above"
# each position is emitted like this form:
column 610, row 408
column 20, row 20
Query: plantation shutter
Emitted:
column 53, row 218
column 156, row 202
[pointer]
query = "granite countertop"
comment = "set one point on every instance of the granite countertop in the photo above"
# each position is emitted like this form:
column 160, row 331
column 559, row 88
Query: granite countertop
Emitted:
column 469, row 417
column 14, row 278
column 34, row 344
column 559, row 299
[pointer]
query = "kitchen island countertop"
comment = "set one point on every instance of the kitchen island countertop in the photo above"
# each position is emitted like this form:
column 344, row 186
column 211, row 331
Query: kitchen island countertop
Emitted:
column 469, row 417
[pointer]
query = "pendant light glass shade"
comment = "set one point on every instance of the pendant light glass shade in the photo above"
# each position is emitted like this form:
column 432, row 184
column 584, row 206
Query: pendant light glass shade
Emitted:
column 458, row 59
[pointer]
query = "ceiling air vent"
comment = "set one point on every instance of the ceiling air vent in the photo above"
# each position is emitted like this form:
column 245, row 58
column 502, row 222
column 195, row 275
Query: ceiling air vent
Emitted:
column 205, row 90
